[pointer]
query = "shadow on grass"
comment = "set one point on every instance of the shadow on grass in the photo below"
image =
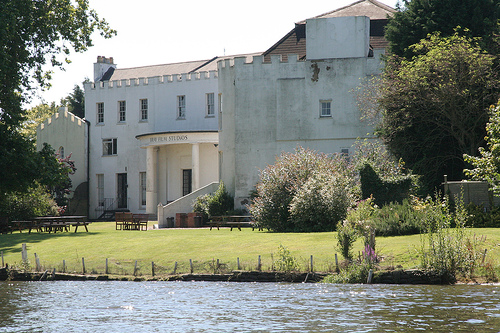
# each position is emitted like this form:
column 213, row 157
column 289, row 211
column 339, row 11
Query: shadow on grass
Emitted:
column 12, row 243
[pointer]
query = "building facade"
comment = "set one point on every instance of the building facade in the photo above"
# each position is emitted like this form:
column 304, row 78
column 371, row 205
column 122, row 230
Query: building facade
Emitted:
column 153, row 134
column 161, row 135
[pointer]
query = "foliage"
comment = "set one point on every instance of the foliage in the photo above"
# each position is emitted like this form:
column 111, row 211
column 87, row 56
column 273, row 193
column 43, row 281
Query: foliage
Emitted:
column 54, row 173
column 487, row 165
column 284, row 261
column 399, row 219
column 33, row 33
column 417, row 18
column 283, row 189
column 76, row 102
column 479, row 217
column 346, row 236
column 23, row 206
column 435, row 106
column 217, row 204
column 34, row 117
column 320, row 203
column 446, row 249
column 354, row 273
column 383, row 191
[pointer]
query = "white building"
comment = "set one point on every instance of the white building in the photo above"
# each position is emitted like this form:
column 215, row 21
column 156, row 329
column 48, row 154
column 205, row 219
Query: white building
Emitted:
column 153, row 133
column 279, row 101
column 162, row 135
column 68, row 135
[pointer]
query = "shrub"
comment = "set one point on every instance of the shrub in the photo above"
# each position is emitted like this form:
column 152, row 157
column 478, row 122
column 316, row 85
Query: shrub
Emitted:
column 24, row 206
column 285, row 262
column 346, row 236
column 217, row 204
column 398, row 219
column 384, row 191
column 319, row 204
column 282, row 203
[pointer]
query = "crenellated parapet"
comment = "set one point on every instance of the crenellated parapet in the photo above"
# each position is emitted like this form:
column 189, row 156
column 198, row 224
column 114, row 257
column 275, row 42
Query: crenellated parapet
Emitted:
column 62, row 115
column 155, row 80
column 259, row 61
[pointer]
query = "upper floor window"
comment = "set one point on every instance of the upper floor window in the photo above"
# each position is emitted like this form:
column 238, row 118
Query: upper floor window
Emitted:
column 326, row 108
column 109, row 147
column 181, row 107
column 210, row 105
column 122, row 111
column 100, row 113
column 144, row 109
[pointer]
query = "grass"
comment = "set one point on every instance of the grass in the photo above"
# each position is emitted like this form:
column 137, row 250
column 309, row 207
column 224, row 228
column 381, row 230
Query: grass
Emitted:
column 204, row 247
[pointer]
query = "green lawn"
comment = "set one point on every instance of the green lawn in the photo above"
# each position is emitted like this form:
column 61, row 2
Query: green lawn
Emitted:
column 164, row 247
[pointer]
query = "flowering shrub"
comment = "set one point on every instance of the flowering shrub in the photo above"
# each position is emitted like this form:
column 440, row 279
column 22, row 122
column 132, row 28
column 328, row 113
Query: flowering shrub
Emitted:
column 303, row 191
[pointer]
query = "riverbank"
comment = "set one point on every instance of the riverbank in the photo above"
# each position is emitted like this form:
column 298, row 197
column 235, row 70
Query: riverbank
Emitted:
column 104, row 251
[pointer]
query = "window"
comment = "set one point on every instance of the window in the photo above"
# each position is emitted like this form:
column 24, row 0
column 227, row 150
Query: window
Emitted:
column 181, row 107
column 326, row 108
column 121, row 111
column 100, row 113
column 210, row 105
column 187, row 178
column 109, row 147
column 61, row 152
column 100, row 190
column 144, row 109
column 142, row 186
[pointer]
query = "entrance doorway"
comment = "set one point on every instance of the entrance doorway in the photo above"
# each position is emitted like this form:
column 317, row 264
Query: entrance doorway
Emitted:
column 122, row 190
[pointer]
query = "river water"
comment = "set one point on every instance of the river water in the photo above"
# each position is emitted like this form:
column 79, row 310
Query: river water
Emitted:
column 93, row 306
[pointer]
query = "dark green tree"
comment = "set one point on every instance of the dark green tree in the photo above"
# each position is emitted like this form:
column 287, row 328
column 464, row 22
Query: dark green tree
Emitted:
column 76, row 101
column 34, row 34
column 435, row 107
column 415, row 19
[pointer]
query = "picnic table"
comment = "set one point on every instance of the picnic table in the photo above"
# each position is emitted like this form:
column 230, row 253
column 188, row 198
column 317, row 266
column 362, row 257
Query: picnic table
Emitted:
column 52, row 223
column 130, row 221
column 231, row 221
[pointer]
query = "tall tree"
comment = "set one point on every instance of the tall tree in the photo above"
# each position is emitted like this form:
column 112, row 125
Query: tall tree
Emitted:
column 415, row 19
column 76, row 101
column 435, row 106
column 32, row 34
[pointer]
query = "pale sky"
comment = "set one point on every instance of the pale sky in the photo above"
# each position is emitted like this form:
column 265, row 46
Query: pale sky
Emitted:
column 152, row 32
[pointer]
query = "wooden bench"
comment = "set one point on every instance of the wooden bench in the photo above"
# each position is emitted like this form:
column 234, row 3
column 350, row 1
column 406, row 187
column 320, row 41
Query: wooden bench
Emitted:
column 231, row 222
column 141, row 221
column 122, row 219
column 129, row 221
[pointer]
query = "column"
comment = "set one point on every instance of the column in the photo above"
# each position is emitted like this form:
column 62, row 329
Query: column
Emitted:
column 152, row 180
column 195, row 161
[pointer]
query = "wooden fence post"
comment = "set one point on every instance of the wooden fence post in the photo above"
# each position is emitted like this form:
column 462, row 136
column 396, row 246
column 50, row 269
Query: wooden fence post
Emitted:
column 153, row 268
column 24, row 253
column 135, row 268
column 175, row 267
column 107, row 267
column 238, row 262
column 83, row 265
column 336, row 263
column 64, row 266
column 191, row 265
column 259, row 264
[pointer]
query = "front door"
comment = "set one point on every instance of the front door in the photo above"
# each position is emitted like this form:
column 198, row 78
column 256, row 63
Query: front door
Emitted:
column 187, row 176
column 122, row 191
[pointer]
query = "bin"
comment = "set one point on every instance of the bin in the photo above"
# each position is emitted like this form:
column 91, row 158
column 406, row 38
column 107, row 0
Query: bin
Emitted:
column 170, row 222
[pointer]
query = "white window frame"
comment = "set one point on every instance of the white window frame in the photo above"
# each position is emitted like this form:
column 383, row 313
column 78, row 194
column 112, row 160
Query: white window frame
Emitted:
column 109, row 147
column 122, row 111
column 325, row 108
column 143, row 105
column 210, row 105
column 142, row 188
column 61, row 152
column 181, row 107
column 100, row 113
